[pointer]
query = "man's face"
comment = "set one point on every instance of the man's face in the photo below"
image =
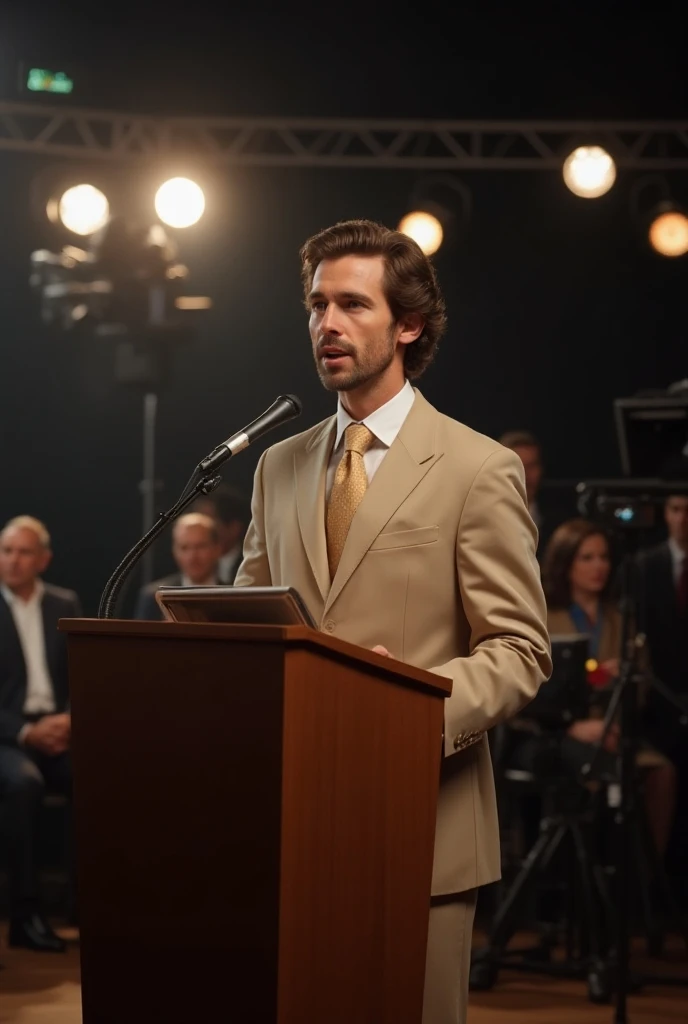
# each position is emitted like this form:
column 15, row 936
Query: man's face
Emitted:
column 22, row 558
column 353, row 334
column 676, row 517
column 529, row 455
column 195, row 552
column 229, row 533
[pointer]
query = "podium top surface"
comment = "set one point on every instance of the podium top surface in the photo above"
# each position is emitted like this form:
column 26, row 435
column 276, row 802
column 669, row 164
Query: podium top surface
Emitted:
column 293, row 636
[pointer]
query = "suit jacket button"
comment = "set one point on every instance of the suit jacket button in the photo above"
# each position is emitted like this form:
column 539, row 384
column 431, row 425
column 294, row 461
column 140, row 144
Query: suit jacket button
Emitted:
column 329, row 626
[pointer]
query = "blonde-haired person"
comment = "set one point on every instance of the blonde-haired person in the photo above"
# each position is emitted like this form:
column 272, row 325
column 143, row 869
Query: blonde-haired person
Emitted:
column 34, row 713
column 577, row 575
column 197, row 550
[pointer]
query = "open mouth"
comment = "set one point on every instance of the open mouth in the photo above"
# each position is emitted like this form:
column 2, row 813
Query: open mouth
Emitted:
column 332, row 357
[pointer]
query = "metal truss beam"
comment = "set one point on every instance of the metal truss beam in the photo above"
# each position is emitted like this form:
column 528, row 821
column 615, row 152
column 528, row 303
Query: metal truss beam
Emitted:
column 308, row 142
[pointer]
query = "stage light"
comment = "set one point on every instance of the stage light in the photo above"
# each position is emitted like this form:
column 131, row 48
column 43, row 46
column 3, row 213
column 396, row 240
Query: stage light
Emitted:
column 82, row 209
column 193, row 302
column 179, row 203
column 423, row 228
column 668, row 231
column 589, row 171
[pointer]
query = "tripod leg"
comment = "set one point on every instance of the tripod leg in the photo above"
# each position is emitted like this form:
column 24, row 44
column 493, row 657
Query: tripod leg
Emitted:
column 646, row 872
column 599, row 987
column 485, row 961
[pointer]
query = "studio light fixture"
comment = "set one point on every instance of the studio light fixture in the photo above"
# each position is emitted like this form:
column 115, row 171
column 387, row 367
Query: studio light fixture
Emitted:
column 179, row 202
column 668, row 231
column 659, row 215
column 589, row 171
column 437, row 206
column 82, row 209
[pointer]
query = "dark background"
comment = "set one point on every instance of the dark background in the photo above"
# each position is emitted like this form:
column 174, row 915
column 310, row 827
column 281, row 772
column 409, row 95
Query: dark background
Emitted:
column 556, row 304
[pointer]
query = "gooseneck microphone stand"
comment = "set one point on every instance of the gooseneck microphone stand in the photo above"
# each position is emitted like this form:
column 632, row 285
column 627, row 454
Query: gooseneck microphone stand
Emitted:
column 113, row 587
column 204, row 480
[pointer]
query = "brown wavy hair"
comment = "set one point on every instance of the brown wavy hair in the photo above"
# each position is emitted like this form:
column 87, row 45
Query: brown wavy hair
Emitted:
column 563, row 546
column 410, row 282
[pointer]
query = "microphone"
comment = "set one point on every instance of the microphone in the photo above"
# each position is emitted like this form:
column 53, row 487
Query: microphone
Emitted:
column 283, row 409
column 203, row 481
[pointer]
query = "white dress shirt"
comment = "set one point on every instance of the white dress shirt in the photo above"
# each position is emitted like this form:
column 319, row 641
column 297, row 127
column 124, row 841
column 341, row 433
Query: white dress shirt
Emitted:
column 28, row 619
column 385, row 423
column 678, row 555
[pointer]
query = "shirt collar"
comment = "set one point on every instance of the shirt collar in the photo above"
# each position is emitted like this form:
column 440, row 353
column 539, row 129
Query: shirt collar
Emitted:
column 677, row 554
column 386, row 422
column 35, row 598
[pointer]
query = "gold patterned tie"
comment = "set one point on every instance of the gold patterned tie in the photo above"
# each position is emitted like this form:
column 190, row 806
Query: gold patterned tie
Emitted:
column 349, row 486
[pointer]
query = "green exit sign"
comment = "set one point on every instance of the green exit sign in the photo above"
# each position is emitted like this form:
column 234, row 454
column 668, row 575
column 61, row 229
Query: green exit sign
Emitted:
column 43, row 80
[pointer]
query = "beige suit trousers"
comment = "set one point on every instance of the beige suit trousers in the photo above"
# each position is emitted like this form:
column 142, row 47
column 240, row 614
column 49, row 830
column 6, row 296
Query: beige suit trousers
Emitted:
column 448, row 961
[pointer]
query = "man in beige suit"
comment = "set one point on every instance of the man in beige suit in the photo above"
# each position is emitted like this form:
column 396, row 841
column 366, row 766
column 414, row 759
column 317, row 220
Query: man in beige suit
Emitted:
column 408, row 533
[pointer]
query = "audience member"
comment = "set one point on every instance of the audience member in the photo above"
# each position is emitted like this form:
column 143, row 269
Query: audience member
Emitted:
column 577, row 573
column 34, row 715
column 663, row 616
column 197, row 550
column 232, row 513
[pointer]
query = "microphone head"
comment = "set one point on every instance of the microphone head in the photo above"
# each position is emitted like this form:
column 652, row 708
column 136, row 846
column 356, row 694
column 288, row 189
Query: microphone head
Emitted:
column 293, row 401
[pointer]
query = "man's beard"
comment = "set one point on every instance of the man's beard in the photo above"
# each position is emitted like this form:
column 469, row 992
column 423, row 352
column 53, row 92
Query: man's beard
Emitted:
column 367, row 366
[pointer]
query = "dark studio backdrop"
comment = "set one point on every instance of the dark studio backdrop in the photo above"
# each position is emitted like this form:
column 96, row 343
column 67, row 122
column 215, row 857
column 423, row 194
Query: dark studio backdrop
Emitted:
column 556, row 304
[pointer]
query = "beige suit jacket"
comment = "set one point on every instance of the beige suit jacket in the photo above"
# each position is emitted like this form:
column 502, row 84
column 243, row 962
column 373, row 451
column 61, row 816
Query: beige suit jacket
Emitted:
column 439, row 566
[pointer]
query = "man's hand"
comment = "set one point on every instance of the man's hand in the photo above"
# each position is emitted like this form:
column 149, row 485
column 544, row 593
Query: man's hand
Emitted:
column 51, row 735
column 379, row 649
column 612, row 666
column 589, row 730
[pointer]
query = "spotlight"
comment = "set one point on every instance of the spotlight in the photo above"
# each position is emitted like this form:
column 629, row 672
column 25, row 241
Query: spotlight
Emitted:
column 179, row 203
column 440, row 208
column 660, row 218
column 423, row 228
column 668, row 231
column 589, row 171
column 82, row 209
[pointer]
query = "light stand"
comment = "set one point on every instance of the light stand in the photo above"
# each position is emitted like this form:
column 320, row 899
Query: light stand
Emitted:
column 149, row 485
column 125, row 289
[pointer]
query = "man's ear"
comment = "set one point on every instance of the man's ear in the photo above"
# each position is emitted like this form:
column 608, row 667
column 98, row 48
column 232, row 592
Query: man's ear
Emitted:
column 44, row 560
column 411, row 325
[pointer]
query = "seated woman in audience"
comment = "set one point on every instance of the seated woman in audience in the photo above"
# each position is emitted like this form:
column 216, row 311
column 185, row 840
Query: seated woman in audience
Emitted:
column 577, row 573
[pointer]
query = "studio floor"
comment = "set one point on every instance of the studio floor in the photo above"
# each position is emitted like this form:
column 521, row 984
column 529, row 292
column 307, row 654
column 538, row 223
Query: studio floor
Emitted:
column 44, row 989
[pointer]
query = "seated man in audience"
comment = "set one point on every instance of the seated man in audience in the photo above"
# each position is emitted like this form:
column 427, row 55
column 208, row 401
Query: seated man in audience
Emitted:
column 34, row 715
column 197, row 550
column 662, row 582
column 231, row 511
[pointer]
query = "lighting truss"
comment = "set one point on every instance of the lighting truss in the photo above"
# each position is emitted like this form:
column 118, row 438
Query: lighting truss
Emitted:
column 332, row 142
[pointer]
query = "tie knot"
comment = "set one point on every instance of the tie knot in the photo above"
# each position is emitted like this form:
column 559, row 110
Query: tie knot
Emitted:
column 357, row 438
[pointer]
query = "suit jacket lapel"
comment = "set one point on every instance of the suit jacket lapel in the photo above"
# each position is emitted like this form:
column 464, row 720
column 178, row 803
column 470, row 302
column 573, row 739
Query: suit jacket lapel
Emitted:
column 50, row 614
column 310, row 468
column 410, row 457
column 666, row 590
column 9, row 630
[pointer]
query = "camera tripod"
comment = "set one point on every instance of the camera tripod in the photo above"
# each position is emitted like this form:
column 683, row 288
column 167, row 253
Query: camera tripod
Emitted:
column 570, row 811
column 623, row 707
column 573, row 811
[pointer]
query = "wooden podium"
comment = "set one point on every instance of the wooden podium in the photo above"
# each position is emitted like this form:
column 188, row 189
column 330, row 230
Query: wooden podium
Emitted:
column 255, row 816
